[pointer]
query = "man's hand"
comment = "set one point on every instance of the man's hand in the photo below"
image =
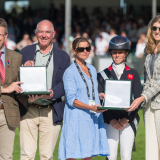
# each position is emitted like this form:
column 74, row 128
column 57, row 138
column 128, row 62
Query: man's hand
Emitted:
column 102, row 96
column 123, row 121
column 13, row 87
column 48, row 96
column 115, row 124
column 29, row 63
column 33, row 98
column 136, row 103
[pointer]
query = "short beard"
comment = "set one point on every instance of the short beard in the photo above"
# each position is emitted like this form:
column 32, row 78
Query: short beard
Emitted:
column 1, row 46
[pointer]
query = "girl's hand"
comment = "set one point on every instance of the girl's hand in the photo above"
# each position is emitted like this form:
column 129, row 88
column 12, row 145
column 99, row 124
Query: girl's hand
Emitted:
column 115, row 124
column 102, row 96
column 124, row 121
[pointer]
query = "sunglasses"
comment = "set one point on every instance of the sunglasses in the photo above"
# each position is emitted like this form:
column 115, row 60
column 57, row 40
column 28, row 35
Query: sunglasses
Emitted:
column 81, row 49
column 154, row 28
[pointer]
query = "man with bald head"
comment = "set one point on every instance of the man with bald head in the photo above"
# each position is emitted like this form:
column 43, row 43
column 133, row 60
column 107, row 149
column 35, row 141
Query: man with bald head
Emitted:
column 45, row 120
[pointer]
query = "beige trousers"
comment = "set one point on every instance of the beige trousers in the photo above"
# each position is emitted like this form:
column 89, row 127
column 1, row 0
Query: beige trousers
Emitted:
column 38, row 120
column 6, row 138
column 152, row 132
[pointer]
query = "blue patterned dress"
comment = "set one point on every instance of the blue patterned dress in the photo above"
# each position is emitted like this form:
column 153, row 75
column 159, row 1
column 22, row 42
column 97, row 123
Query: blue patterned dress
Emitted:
column 83, row 133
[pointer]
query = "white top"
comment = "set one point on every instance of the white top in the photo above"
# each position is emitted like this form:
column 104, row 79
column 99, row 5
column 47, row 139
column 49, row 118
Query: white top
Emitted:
column 101, row 46
column 10, row 44
column 140, row 49
column 118, row 68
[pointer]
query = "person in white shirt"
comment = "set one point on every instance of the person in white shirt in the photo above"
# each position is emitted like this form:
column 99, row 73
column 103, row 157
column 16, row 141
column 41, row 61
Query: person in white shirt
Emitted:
column 10, row 44
column 141, row 44
column 101, row 46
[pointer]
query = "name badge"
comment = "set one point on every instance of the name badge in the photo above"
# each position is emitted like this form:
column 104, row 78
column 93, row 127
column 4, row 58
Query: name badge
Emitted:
column 92, row 103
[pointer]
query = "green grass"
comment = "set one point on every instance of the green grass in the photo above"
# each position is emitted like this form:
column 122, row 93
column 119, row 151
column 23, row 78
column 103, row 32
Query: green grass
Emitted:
column 138, row 155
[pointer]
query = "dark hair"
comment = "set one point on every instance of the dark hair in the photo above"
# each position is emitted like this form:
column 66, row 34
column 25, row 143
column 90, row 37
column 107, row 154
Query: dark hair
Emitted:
column 76, row 42
column 3, row 24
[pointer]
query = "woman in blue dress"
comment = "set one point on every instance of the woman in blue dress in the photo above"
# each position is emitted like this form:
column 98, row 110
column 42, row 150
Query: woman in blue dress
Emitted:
column 83, row 133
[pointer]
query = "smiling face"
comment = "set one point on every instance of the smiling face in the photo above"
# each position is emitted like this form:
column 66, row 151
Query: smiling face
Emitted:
column 45, row 33
column 82, row 55
column 156, row 34
column 118, row 56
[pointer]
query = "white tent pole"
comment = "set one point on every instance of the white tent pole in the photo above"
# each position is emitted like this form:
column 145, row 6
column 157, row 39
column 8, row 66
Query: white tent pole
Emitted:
column 154, row 8
column 67, row 24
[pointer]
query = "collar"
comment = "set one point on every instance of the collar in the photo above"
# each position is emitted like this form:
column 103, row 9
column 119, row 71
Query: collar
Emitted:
column 3, row 50
column 121, row 65
column 80, row 66
column 110, row 67
column 38, row 49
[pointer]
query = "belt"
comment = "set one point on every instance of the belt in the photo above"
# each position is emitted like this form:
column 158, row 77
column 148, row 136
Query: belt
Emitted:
column 41, row 106
column 1, row 107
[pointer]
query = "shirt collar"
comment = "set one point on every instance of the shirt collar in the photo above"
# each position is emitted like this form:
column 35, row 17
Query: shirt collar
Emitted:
column 38, row 49
column 110, row 67
column 3, row 50
column 80, row 66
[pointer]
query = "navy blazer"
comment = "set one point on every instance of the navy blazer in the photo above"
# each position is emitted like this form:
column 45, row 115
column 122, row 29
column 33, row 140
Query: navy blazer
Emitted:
column 136, row 92
column 61, row 62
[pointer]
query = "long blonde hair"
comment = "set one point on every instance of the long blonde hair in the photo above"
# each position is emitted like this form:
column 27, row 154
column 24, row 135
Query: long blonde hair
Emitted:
column 151, row 42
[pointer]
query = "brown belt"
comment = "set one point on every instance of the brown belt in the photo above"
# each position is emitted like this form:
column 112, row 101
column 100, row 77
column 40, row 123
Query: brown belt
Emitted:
column 1, row 107
column 41, row 106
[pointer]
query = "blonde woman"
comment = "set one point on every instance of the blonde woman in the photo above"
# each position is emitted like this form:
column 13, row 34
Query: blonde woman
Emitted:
column 151, row 92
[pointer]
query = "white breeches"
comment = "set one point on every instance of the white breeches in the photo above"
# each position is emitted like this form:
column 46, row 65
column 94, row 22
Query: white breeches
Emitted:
column 126, row 137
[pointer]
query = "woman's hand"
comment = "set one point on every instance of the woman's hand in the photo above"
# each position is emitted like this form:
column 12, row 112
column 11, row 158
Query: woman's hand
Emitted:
column 94, row 108
column 33, row 98
column 115, row 124
column 123, row 121
column 136, row 103
column 102, row 96
column 101, row 110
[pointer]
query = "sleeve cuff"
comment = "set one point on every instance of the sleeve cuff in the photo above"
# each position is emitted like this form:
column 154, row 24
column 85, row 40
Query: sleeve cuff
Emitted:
column 144, row 103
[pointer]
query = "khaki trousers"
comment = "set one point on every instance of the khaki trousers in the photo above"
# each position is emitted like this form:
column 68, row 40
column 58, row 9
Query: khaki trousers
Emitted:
column 38, row 120
column 152, row 132
column 6, row 138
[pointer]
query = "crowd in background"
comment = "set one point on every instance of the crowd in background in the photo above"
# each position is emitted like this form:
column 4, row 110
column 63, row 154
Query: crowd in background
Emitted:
column 99, row 27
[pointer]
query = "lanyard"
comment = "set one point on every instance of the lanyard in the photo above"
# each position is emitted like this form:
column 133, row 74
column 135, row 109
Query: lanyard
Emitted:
column 93, row 94
column 49, row 59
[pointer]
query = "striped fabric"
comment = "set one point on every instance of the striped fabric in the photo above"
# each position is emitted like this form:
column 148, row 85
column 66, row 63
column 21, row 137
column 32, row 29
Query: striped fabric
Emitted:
column 2, row 70
column 151, row 88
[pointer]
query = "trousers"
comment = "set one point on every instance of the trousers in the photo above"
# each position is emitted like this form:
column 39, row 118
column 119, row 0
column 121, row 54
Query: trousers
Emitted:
column 38, row 121
column 7, row 135
column 152, row 132
column 126, row 137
